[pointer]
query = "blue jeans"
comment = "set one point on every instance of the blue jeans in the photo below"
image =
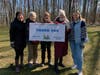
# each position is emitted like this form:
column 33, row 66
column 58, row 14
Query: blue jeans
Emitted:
column 77, row 54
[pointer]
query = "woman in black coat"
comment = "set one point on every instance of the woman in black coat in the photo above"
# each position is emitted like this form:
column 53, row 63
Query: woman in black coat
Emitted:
column 18, row 38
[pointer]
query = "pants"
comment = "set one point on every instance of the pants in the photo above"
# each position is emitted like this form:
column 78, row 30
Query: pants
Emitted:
column 58, row 61
column 44, row 46
column 77, row 54
column 19, row 53
column 32, row 53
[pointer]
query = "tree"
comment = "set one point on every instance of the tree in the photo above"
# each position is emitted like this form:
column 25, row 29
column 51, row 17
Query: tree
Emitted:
column 28, row 2
column 94, row 10
column 8, row 8
column 84, row 8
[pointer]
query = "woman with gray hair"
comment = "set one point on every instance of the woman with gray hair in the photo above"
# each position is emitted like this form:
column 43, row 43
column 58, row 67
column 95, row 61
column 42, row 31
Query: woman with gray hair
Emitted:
column 61, row 48
column 32, row 45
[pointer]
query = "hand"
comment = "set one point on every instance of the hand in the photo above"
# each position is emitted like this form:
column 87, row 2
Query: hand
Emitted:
column 82, row 46
column 83, row 39
column 12, row 44
column 56, row 22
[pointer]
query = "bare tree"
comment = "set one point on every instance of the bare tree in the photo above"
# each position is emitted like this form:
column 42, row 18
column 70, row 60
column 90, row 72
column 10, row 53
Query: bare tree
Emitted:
column 94, row 10
column 8, row 8
column 28, row 2
column 84, row 8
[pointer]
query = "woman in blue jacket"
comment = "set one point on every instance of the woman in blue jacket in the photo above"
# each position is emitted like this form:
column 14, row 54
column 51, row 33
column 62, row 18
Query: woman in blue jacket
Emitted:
column 77, row 39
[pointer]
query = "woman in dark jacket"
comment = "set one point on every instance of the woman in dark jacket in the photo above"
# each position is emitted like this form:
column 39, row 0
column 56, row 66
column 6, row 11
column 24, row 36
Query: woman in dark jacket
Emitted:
column 18, row 38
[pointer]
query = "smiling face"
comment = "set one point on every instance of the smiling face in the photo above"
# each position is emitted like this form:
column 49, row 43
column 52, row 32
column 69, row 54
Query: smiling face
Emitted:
column 47, row 17
column 61, row 17
column 20, row 17
column 76, row 16
column 32, row 18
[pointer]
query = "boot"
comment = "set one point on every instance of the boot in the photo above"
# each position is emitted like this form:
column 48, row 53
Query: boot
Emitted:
column 17, row 66
column 56, row 66
column 60, row 62
column 21, row 62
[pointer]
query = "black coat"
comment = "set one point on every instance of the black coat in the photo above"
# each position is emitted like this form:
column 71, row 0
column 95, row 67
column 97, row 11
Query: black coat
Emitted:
column 28, row 21
column 18, row 33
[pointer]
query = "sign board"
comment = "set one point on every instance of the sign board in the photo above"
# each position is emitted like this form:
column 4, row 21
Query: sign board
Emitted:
column 47, row 32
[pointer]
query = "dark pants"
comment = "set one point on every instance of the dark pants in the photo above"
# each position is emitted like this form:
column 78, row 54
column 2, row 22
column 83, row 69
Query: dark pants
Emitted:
column 58, row 61
column 19, row 55
column 46, row 46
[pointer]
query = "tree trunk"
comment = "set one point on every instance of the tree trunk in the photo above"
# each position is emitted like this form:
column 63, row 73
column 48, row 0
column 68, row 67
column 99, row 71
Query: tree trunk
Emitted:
column 94, row 11
column 84, row 8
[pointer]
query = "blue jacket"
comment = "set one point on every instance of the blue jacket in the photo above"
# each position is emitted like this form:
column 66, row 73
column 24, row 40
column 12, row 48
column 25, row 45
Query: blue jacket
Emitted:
column 78, row 32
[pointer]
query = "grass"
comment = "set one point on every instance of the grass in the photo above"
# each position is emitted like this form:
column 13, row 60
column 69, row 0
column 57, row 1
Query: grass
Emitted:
column 91, row 57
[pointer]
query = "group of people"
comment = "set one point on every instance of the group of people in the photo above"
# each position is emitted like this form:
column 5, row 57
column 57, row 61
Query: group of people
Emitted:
column 75, row 33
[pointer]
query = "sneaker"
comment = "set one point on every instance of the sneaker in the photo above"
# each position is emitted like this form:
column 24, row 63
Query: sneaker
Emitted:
column 57, row 70
column 62, row 65
column 42, row 64
column 49, row 64
column 74, row 67
column 17, row 70
column 21, row 66
column 30, row 65
column 80, row 73
column 35, row 63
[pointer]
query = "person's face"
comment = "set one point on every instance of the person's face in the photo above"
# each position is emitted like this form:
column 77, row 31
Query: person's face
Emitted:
column 47, row 18
column 20, row 17
column 62, row 17
column 75, row 16
column 32, row 18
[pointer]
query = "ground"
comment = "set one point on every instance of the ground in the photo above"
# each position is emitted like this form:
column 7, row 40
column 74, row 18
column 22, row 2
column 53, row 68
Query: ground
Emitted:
column 91, row 64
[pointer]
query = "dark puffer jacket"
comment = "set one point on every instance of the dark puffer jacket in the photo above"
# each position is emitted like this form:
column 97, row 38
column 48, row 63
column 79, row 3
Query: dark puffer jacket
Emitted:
column 28, row 21
column 18, row 33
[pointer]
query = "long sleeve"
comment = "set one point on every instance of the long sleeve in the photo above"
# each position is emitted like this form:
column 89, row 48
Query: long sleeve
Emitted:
column 83, row 31
column 12, row 33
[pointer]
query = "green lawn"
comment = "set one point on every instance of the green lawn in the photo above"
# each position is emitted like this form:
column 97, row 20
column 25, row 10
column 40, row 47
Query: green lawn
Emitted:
column 91, row 57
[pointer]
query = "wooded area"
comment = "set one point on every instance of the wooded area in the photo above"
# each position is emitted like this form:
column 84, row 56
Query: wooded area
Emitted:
column 90, row 9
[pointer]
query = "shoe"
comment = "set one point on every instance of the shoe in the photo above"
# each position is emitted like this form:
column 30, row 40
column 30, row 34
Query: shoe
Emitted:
column 30, row 65
column 21, row 66
column 17, row 70
column 74, row 67
column 42, row 64
column 35, row 63
column 57, row 70
column 49, row 64
column 62, row 65
column 80, row 73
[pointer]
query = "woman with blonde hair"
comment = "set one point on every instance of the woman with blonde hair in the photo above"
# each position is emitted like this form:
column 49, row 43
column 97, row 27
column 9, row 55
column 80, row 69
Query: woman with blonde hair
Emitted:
column 61, row 48
column 32, row 45
column 46, row 45
column 77, row 39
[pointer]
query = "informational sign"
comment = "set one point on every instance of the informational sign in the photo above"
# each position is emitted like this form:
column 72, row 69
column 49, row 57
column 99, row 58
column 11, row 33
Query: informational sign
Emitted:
column 47, row 32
